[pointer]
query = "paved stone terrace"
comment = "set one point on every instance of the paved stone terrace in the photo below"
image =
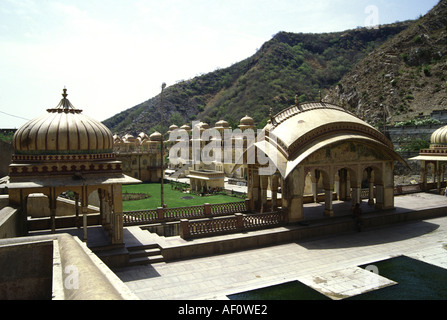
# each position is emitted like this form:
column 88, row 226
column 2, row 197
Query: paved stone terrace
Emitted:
column 333, row 259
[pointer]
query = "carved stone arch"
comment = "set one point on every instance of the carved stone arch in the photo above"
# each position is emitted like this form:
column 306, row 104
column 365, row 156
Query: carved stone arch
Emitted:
column 324, row 173
column 352, row 171
column 27, row 192
column 377, row 169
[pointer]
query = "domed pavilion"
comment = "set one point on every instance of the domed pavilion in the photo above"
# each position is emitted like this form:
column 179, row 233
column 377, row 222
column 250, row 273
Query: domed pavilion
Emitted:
column 320, row 147
column 66, row 152
column 434, row 159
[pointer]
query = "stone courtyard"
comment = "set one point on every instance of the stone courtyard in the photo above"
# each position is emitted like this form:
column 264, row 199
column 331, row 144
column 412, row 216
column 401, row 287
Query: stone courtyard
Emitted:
column 329, row 264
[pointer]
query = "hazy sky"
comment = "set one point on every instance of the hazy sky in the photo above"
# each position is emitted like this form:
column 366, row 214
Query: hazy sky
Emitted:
column 114, row 54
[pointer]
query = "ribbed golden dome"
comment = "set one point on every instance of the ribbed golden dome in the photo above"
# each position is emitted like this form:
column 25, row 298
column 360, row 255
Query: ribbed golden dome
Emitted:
column 156, row 136
column 202, row 126
column 63, row 130
column 185, row 127
column 439, row 137
column 222, row 124
column 143, row 136
column 247, row 121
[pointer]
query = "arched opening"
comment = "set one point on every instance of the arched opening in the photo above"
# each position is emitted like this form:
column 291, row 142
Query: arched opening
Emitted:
column 335, row 190
column 331, row 189
column 370, row 180
column 56, row 208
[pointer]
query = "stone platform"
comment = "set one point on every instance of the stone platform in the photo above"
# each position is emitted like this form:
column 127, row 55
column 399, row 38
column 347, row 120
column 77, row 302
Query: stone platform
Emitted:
column 326, row 259
column 346, row 283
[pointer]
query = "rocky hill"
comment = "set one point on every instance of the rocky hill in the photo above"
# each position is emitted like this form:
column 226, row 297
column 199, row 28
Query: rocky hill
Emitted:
column 405, row 78
column 360, row 68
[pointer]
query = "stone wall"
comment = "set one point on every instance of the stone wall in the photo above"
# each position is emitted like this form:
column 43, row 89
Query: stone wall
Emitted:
column 57, row 267
column 411, row 132
column 5, row 157
column 27, row 270
column 9, row 227
column 38, row 206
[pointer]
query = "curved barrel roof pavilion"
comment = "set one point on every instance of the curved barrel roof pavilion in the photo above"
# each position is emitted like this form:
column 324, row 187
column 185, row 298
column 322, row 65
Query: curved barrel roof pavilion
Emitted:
column 322, row 144
column 62, row 150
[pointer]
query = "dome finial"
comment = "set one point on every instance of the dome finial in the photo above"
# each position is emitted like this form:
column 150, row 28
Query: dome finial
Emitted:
column 65, row 94
column 65, row 103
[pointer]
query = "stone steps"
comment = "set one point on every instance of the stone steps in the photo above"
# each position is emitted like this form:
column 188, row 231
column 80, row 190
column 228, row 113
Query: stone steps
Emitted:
column 145, row 254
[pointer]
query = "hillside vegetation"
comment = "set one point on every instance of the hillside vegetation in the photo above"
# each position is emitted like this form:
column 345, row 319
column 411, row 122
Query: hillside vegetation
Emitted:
column 358, row 68
column 403, row 79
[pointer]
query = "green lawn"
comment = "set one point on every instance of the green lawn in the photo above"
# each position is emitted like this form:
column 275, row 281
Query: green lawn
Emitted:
column 172, row 198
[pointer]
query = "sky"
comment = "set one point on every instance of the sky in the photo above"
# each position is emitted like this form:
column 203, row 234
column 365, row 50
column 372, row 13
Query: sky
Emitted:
column 114, row 54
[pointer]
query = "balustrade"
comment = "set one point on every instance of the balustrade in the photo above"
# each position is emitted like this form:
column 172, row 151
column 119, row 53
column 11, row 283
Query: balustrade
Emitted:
column 176, row 214
column 139, row 217
column 237, row 223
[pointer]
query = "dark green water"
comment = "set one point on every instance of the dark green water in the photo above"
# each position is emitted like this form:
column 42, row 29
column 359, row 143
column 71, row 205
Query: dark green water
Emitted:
column 294, row 290
column 416, row 280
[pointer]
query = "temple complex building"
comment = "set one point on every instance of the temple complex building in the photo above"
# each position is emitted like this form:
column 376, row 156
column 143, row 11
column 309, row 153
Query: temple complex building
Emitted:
column 141, row 156
column 218, row 153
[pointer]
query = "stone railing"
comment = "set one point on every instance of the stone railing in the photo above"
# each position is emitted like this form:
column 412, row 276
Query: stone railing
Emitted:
column 228, row 208
column 140, row 217
column 175, row 214
column 191, row 212
column 403, row 189
column 364, row 193
column 406, row 189
column 223, row 225
column 262, row 220
column 419, row 187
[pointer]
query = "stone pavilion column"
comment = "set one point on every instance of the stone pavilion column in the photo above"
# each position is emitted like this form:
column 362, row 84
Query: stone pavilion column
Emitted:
column 263, row 192
column 442, row 172
column 255, row 203
column 315, row 177
column 292, row 195
column 53, row 199
column 101, row 207
column 370, row 186
column 84, row 205
column 388, row 185
column 337, row 185
column 385, row 187
column 344, row 185
column 274, row 188
column 423, row 177
column 328, row 194
column 117, row 216
column 438, row 176
column 76, row 195
column 356, row 186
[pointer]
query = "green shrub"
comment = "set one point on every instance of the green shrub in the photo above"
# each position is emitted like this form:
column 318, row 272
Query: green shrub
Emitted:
column 417, row 122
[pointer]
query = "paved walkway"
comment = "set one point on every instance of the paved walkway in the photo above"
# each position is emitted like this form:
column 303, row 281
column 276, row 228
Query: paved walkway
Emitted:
column 329, row 265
